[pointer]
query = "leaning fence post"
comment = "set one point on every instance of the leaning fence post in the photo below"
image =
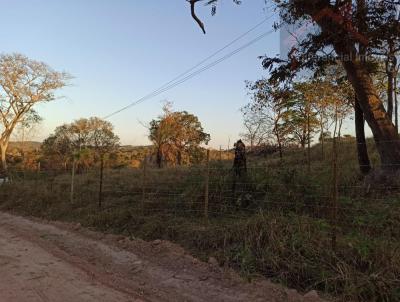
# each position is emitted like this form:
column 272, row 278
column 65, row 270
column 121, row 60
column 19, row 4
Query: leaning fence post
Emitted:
column 144, row 168
column 207, row 181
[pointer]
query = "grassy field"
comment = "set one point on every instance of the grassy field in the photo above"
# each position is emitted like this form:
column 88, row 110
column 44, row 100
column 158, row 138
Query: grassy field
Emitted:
column 280, row 220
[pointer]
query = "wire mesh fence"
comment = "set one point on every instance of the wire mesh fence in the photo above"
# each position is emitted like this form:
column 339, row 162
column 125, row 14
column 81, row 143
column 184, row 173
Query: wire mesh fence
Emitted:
column 320, row 222
column 327, row 191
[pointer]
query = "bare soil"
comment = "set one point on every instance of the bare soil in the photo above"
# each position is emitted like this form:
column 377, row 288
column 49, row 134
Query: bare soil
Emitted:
column 52, row 261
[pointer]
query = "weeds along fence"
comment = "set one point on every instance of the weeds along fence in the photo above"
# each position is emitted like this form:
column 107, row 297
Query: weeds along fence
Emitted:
column 328, row 191
column 337, row 228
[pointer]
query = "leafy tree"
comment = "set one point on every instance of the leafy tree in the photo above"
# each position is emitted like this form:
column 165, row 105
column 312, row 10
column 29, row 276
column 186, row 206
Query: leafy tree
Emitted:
column 59, row 145
column 348, row 32
column 23, row 84
column 188, row 134
column 330, row 97
column 161, row 130
column 102, row 138
column 176, row 135
column 304, row 119
column 85, row 138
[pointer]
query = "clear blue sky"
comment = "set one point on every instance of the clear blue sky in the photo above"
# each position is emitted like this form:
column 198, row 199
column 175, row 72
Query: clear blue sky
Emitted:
column 120, row 50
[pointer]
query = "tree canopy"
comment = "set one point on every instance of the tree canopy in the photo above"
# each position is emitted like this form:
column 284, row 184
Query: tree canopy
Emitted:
column 176, row 136
column 349, row 33
column 82, row 138
column 23, row 84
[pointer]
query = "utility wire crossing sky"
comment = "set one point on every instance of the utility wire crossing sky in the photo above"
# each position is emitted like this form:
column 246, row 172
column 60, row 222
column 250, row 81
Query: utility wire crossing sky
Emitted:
column 119, row 51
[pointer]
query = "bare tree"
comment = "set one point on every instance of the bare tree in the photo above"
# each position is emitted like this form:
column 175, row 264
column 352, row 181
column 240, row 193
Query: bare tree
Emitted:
column 272, row 100
column 23, row 84
column 255, row 122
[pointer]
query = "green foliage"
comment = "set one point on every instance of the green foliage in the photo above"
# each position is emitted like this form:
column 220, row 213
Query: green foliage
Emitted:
column 86, row 140
column 177, row 137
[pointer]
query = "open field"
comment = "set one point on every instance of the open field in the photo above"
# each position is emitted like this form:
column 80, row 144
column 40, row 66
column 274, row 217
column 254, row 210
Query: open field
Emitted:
column 280, row 221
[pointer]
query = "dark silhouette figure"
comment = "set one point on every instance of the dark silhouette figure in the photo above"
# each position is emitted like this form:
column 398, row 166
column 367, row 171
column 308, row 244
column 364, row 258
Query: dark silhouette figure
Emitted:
column 240, row 163
column 239, row 175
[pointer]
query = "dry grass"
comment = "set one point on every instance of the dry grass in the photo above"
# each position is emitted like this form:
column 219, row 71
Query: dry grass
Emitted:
column 277, row 223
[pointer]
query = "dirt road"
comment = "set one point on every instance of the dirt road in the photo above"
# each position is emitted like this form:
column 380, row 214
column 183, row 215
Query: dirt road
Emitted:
column 60, row 262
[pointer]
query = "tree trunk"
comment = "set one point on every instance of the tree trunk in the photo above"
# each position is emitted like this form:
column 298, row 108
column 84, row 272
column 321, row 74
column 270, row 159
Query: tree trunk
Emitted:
column 396, row 104
column 280, row 151
column 159, row 158
column 385, row 135
column 322, row 144
column 279, row 146
column 390, row 94
column 308, row 141
column 390, row 68
column 179, row 158
column 321, row 124
column 362, row 151
column 3, row 150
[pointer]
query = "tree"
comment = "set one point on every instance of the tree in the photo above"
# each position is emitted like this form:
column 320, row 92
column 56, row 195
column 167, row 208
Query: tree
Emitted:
column 59, row 145
column 161, row 130
column 101, row 136
column 103, row 141
column 176, row 135
column 340, row 36
column 255, row 122
column 188, row 134
column 271, row 100
column 23, row 84
column 84, row 137
column 304, row 120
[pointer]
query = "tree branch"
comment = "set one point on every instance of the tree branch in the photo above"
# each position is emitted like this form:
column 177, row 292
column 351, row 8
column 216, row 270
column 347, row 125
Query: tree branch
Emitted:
column 194, row 16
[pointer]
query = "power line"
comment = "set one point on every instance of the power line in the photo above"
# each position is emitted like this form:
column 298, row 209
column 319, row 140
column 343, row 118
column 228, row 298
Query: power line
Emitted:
column 179, row 80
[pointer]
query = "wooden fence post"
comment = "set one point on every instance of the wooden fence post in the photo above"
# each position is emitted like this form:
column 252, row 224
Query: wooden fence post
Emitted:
column 101, row 181
column 334, row 195
column 206, row 189
column 72, row 181
column 37, row 176
column 144, row 168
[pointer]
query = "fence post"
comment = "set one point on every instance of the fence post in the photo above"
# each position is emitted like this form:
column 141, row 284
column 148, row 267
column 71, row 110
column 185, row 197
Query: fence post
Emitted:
column 72, row 181
column 37, row 176
column 206, row 189
column 144, row 168
column 101, row 181
column 334, row 194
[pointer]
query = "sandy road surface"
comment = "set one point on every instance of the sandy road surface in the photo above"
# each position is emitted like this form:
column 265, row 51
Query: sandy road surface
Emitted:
column 59, row 262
